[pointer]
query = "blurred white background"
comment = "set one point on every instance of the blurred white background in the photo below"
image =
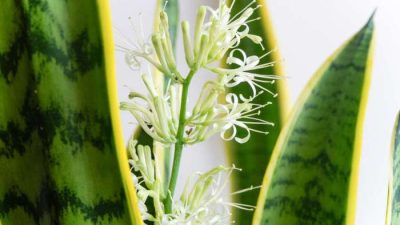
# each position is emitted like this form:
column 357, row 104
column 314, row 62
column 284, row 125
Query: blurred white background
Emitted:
column 308, row 32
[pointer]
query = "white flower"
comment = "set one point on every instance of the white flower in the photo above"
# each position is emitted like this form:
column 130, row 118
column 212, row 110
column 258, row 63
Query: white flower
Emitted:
column 223, row 31
column 245, row 72
column 156, row 50
column 226, row 31
column 135, row 49
column 226, row 119
column 239, row 115
column 204, row 202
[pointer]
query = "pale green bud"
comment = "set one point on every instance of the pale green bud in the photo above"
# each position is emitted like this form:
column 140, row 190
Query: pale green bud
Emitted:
column 149, row 164
column 161, row 113
column 131, row 147
column 164, row 20
column 203, row 50
column 201, row 14
column 166, row 41
column 187, row 45
column 156, row 40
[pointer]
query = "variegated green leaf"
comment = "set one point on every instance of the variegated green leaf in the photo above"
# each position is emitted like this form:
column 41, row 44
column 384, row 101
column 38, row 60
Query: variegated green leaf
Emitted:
column 393, row 206
column 58, row 117
column 312, row 176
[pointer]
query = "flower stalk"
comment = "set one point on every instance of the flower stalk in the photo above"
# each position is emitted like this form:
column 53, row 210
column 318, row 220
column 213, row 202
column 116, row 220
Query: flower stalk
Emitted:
column 179, row 144
column 163, row 113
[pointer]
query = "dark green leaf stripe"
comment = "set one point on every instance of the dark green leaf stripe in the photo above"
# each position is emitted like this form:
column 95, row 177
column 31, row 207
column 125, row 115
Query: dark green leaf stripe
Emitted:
column 312, row 176
column 58, row 163
column 253, row 156
column 393, row 211
column 63, row 200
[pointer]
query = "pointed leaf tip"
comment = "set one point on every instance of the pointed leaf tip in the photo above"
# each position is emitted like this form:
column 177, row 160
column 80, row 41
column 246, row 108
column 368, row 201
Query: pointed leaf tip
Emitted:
column 371, row 18
column 328, row 159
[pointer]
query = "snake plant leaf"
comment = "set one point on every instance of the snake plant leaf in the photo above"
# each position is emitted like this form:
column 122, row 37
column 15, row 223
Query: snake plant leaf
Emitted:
column 393, row 210
column 62, row 160
column 313, row 172
column 172, row 10
column 253, row 157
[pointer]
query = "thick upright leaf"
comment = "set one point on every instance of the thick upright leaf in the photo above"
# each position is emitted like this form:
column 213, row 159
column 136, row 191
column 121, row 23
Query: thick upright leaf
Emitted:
column 393, row 209
column 312, row 176
column 58, row 122
column 253, row 156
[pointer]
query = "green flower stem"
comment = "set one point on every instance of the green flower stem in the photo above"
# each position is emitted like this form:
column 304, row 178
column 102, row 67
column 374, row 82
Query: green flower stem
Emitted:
column 179, row 143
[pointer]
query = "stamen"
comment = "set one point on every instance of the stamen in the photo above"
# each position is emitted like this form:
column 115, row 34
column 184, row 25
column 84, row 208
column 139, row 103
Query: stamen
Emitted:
column 124, row 38
column 252, row 20
column 232, row 4
column 258, row 94
column 241, row 11
column 253, row 109
column 245, row 207
column 246, row 189
column 264, row 81
column 265, row 89
column 259, row 131
column 251, row 114
column 141, row 25
column 267, row 53
column 265, row 76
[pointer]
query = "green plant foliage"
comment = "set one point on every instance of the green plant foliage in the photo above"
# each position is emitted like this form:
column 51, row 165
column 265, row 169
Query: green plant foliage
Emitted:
column 58, row 160
column 253, row 156
column 313, row 172
column 172, row 10
column 393, row 211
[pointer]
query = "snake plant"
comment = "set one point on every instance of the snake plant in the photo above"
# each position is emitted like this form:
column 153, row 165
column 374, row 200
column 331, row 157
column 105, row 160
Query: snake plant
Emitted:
column 62, row 158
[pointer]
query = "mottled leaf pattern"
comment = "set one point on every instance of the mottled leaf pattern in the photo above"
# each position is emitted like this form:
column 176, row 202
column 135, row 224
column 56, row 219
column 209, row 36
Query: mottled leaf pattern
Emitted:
column 58, row 157
column 312, row 176
column 393, row 210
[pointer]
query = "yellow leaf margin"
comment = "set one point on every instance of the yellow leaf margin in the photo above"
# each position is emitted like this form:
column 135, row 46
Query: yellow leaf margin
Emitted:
column 351, row 206
column 108, row 45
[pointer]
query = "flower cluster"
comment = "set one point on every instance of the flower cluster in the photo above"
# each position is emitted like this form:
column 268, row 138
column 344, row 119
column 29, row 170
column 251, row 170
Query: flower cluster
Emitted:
column 163, row 114
column 202, row 200
column 157, row 113
column 147, row 178
column 216, row 33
